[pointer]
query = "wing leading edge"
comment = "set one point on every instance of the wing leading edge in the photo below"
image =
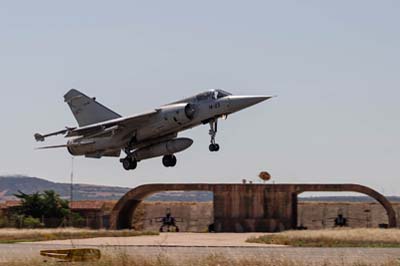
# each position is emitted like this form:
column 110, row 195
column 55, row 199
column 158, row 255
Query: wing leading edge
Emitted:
column 123, row 123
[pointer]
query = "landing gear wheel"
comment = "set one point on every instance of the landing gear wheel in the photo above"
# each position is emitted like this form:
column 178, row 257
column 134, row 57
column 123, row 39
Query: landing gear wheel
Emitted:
column 169, row 160
column 216, row 147
column 213, row 147
column 165, row 161
column 129, row 163
column 173, row 161
column 126, row 164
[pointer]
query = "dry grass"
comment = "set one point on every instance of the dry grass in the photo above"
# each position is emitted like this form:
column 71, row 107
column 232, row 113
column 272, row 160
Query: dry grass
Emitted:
column 31, row 235
column 212, row 260
column 334, row 238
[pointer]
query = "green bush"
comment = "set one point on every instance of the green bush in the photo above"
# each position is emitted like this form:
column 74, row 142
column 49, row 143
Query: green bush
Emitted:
column 30, row 222
column 77, row 220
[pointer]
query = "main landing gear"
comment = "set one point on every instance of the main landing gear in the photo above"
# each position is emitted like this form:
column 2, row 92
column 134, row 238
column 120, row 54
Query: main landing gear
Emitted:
column 129, row 163
column 214, row 147
column 169, row 160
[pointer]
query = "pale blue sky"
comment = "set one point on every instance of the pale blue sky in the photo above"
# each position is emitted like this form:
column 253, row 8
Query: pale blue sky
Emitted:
column 334, row 64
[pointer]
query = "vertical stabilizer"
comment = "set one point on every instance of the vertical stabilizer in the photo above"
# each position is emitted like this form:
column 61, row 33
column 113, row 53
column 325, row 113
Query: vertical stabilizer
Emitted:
column 87, row 110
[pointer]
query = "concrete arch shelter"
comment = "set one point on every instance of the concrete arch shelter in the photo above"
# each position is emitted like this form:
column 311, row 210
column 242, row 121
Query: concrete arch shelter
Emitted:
column 244, row 207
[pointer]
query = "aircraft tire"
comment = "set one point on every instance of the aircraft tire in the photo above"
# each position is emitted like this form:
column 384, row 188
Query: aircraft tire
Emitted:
column 213, row 147
column 169, row 160
column 216, row 147
column 173, row 161
column 126, row 164
column 133, row 164
column 129, row 163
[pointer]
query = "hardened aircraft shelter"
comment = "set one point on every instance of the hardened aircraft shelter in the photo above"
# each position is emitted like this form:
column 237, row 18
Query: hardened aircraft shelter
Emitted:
column 245, row 207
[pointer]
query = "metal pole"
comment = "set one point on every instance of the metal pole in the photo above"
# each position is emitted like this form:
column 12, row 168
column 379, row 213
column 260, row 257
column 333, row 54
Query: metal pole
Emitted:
column 71, row 196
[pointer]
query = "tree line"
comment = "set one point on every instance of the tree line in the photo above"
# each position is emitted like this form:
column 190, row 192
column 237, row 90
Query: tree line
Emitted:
column 40, row 209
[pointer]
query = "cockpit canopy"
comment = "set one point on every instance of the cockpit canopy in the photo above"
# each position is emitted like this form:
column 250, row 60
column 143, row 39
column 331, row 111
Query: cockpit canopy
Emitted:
column 205, row 96
column 212, row 94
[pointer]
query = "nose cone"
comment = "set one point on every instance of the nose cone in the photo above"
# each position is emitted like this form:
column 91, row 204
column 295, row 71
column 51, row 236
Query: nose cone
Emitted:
column 237, row 103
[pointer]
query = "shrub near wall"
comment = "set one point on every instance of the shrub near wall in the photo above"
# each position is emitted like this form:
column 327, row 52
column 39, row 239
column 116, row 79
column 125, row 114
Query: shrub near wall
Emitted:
column 30, row 222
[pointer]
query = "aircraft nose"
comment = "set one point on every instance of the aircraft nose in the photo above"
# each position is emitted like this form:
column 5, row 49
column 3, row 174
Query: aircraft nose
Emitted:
column 241, row 102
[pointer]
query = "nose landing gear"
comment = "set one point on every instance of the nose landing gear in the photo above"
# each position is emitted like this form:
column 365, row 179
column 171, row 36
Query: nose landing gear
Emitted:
column 213, row 147
column 213, row 132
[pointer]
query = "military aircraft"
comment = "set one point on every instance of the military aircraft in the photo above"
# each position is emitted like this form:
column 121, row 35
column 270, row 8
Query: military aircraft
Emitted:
column 102, row 132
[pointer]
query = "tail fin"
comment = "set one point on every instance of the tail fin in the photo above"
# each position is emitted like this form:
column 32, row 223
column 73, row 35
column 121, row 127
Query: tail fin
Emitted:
column 86, row 110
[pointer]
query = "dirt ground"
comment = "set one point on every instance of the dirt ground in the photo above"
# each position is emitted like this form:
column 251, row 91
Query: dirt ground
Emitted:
column 178, row 246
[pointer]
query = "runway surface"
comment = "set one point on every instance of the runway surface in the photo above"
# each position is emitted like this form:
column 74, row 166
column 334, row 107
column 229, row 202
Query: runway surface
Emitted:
column 185, row 245
column 170, row 239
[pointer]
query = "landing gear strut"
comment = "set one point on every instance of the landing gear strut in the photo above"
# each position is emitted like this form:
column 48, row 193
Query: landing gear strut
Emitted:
column 213, row 132
column 169, row 160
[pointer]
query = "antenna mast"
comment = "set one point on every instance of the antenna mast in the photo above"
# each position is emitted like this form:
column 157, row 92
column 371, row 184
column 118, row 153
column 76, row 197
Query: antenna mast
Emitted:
column 71, row 196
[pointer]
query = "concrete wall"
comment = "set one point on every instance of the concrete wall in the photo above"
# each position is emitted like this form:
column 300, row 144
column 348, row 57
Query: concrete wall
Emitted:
column 242, row 209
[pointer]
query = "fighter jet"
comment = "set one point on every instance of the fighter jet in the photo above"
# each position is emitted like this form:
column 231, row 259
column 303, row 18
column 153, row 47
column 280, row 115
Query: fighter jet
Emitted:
column 102, row 132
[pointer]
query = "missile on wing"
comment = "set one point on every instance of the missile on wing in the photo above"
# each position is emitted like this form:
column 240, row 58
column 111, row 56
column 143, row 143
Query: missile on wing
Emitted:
column 163, row 148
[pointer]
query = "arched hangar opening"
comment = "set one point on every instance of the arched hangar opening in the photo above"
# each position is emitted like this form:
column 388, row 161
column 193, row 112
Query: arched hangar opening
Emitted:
column 328, row 218
column 122, row 215
column 323, row 210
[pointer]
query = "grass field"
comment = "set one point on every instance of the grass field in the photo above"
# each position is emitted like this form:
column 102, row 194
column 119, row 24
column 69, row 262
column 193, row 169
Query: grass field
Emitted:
column 213, row 260
column 32, row 235
column 334, row 238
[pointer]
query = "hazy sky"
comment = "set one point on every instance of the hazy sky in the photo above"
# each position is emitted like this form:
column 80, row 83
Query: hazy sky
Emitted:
column 335, row 66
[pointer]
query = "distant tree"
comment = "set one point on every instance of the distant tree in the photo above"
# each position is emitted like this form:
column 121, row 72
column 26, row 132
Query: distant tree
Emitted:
column 54, row 206
column 42, row 205
column 31, row 205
